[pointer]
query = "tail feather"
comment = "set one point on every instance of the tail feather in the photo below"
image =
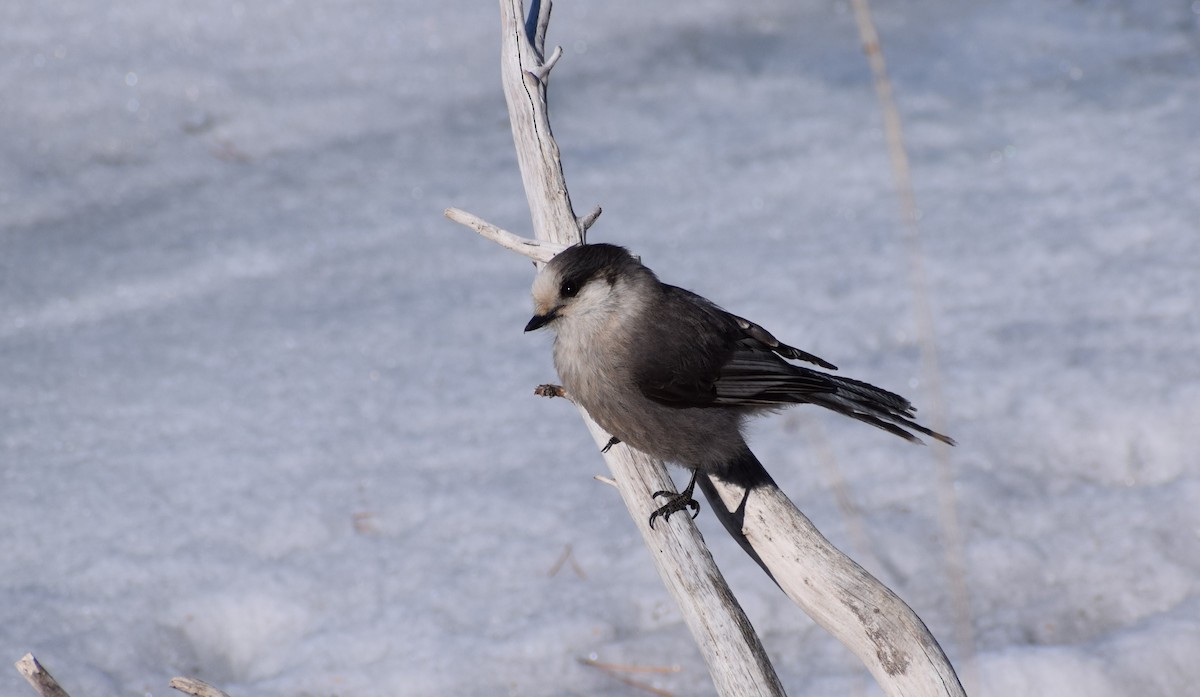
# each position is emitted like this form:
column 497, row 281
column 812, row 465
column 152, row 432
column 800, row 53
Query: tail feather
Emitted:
column 875, row 406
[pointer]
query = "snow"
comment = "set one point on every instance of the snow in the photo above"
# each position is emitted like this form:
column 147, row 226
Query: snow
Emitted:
column 267, row 417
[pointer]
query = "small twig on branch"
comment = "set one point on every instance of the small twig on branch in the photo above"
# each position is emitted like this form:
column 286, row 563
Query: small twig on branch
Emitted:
column 39, row 677
column 586, row 222
column 199, row 688
column 542, row 71
column 606, row 480
column 538, row 250
column 537, row 23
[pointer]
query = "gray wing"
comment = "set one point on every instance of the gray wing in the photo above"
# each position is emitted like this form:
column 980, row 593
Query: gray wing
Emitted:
column 732, row 362
column 766, row 340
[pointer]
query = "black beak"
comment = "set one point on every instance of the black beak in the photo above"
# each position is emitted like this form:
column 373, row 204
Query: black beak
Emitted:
column 539, row 321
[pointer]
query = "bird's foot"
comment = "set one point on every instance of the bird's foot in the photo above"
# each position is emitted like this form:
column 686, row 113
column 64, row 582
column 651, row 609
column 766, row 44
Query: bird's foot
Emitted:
column 551, row 391
column 608, row 446
column 682, row 501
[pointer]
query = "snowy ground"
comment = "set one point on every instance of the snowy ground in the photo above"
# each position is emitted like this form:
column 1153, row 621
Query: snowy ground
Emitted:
column 266, row 417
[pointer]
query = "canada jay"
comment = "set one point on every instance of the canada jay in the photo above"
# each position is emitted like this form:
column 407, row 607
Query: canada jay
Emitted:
column 668, row 372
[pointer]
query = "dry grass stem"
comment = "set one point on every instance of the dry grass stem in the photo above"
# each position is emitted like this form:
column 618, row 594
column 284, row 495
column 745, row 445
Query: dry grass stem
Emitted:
column 618, row 670
column 951, row 528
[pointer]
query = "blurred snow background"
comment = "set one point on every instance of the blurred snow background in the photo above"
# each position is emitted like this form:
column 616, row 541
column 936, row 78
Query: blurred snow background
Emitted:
column 266, row 417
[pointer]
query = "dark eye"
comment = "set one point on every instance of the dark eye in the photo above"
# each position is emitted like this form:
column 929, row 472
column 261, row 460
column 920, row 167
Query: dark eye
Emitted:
column 569, row 289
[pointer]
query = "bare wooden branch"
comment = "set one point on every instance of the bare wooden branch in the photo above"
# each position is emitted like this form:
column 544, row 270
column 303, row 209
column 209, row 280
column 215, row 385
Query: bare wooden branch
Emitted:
column 537, row 24
column 41, row 679
column 840, row 595
column 537, row 250
column 542, row 72
column 865, row 615
column 735, row 656
column 199, row 688
column 587, row 221
column 606, row 480
column 537, row 153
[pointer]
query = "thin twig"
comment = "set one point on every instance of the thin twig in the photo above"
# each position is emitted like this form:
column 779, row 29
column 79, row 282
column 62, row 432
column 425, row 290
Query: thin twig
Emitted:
column 538, row 250
column 628, row 667
column 537, row 23
column 567, row 556
column 199, row 688
column 605, row 480
column 41, row 679
column 615, row 671
column 588, row 220
column 542, row 72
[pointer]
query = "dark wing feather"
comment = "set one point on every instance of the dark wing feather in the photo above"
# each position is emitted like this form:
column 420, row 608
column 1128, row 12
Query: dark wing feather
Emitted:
column 733, row 362
column 684, row 374
column 755, row 376
column 764, row 337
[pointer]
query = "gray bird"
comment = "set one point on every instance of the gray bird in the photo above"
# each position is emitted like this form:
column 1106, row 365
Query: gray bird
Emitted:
column 669, row 373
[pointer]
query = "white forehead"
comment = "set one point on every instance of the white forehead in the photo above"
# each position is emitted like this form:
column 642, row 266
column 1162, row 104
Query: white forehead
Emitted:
column 546, row 284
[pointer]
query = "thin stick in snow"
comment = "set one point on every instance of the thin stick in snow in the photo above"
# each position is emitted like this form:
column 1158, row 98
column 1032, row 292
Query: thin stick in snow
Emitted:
column 199, row 688
column 39, row 677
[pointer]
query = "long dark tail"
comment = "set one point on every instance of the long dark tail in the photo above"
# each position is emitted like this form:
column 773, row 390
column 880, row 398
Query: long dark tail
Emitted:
column 875, row 406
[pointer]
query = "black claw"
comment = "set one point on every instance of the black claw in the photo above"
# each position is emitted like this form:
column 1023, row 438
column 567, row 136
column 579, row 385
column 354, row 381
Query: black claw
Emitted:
column 611, row 442
column 682, row 501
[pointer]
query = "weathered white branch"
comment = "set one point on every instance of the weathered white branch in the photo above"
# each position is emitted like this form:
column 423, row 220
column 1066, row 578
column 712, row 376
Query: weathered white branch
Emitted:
column 534, row 249
column 851, row 604
column 861, row 612
column 735, row 656
column 199, row 688
column 588, row 220
column 537, row 24
column 537, row 152
column 542, row 71
column 41, row 679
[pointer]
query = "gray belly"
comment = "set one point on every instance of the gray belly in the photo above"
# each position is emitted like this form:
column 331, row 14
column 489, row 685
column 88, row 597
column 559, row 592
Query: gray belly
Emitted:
column 703, row 439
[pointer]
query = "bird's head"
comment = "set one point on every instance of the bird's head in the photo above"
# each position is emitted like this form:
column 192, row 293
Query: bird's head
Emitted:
column 582, row 281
